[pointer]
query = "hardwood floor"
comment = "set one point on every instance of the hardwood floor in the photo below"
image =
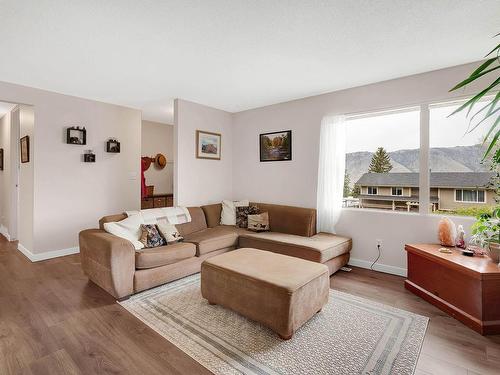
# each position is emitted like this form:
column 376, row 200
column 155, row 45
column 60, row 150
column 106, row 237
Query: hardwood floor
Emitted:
column 53, row 321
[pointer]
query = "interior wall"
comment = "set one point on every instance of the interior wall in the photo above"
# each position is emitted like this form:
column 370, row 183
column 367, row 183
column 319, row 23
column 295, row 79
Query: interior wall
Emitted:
column 5, row 176
column 201, row 181
column 295, row 182
column 26, row 179
column 159, row 138
column 70, row 195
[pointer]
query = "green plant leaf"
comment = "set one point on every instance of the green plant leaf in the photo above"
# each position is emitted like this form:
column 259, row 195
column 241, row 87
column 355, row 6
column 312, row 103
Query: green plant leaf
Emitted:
column 484, row 119
column 492, row 143
column 495, row 124
column 494, row 49
column 479, row 72
column 470, row 103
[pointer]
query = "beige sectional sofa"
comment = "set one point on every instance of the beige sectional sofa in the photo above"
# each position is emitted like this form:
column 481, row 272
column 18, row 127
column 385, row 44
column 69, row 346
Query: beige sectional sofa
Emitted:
column 112, row 262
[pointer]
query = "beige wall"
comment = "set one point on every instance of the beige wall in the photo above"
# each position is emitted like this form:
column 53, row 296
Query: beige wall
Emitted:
column 26, row 180
column 159, row 138
column 447, row 200
column 201, row 181
column 70, row 195
column 295, row 182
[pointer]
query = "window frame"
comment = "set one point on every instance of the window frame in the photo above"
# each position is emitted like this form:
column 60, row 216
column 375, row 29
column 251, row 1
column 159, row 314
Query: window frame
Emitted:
column 371, row 187
column 397, row 188
column 473, row 190
column 424, row 150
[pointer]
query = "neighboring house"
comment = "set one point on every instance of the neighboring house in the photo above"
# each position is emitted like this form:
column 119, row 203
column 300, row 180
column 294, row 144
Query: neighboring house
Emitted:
column 449, row 190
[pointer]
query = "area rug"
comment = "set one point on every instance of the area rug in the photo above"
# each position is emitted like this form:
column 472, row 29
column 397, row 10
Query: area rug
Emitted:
column 350, row 335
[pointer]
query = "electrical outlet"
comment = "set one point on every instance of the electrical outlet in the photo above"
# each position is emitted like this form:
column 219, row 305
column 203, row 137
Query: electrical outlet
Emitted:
column 379, row 242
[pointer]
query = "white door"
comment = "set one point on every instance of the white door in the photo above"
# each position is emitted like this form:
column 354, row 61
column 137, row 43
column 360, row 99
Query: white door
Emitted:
column 15, row 125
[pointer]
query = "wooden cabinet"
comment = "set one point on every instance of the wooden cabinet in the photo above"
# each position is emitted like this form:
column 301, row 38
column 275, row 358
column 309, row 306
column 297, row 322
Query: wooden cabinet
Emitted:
column 158, row 200
column 467, row 288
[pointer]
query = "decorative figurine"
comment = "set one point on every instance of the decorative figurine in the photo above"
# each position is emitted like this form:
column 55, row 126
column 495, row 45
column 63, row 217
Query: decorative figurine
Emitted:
column 447, row 232
column 460, row 237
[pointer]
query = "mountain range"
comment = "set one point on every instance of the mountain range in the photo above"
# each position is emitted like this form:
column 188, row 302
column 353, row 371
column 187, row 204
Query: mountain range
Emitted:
column 442, row 159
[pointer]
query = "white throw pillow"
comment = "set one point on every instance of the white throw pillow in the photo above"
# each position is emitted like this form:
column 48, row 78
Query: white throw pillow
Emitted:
column 169, row 231
column 129, row 229
column 228, row 214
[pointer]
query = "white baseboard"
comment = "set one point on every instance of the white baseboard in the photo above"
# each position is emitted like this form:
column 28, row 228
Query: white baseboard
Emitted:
column 378, row 267
column 5, row 232
column 48, row 254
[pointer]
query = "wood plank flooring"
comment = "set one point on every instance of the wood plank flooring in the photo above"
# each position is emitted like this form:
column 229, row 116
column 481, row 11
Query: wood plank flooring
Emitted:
column 53, row 321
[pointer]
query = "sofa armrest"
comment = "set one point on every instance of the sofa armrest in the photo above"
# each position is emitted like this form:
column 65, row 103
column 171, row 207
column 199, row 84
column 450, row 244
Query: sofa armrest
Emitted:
column 109, row 261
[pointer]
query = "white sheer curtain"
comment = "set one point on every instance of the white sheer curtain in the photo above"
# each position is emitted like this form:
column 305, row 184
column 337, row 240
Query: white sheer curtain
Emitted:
column 331, row 172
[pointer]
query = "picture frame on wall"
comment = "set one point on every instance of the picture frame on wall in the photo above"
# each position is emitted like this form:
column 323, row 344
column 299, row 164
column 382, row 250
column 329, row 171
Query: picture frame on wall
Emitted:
column 208, row 145
column 276, row 146
column 25, row 149
column 1, row 159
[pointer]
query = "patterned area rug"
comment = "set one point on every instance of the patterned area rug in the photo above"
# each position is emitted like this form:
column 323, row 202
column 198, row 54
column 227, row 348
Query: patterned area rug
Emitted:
column 350, row 335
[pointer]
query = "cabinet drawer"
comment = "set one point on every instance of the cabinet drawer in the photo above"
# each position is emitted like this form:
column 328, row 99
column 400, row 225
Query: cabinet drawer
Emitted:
column 146, row 203
column 160, row 202
column 170, row 201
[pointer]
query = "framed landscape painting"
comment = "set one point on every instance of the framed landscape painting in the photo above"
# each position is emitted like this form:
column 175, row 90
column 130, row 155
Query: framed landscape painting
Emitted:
column 208, row 145
column 276, row 146
column 1, row 159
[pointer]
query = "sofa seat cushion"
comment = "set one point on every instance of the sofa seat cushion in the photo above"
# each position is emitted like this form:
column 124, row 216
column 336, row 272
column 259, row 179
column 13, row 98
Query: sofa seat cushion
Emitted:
column 318, row 248
column 163, row 255
column 212, row 239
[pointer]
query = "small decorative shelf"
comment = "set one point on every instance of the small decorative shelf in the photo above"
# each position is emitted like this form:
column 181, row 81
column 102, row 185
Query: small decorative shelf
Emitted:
column 89, row 157
column 76, row 135
column 113, row 146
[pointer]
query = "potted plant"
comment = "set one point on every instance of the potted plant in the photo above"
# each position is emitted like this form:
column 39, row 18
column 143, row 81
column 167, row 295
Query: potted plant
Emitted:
column 486, row 233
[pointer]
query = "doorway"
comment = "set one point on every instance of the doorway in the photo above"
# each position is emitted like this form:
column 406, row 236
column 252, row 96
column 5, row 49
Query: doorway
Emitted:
column 16, row 173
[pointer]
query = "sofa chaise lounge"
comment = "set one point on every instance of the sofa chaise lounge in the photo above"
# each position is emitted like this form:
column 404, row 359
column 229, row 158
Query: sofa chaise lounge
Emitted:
column 112, row 262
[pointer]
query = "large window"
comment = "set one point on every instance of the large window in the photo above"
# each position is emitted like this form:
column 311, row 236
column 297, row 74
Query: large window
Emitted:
column 460, row 181
column 382, row 152
column 383, row 162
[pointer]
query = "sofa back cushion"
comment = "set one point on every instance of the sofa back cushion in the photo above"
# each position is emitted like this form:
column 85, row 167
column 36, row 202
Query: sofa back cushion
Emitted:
column 288, row 219
column 196, row 224
column 212, row 214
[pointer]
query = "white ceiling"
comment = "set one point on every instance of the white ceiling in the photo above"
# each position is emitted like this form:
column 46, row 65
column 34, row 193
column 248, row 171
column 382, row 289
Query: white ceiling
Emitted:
column 233, row 54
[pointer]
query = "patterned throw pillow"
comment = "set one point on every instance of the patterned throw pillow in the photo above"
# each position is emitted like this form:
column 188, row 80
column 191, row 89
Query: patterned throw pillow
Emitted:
column 169, row 231
column 242, row 215
column 258, row 223
column 151, row 236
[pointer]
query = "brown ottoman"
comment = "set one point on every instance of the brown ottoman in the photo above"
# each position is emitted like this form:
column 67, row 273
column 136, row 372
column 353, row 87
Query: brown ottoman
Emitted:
column 276, row 290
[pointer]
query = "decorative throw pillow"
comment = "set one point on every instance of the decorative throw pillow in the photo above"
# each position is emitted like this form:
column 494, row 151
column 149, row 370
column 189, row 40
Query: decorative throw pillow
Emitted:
column 129, row 229
column 242, row 215
column 169, row 231
column 151, row 236
column 258, row 223
column 228, row 214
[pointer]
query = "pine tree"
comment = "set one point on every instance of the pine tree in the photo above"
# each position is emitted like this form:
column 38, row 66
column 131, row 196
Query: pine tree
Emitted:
column 356, row 191
column 347, row 182
column 381, row 162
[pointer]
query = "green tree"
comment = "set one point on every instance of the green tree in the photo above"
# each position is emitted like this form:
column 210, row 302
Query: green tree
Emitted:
column 381, row 162
column 356, row 191
column 347, row 183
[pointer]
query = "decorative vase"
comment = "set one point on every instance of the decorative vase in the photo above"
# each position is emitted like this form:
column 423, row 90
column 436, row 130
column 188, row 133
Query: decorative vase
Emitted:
column 494, row 251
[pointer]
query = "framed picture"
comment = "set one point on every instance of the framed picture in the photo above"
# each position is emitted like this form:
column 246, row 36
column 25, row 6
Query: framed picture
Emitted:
column 208, row 145
column 1, row 159
column 276, row 146
column 25, row 149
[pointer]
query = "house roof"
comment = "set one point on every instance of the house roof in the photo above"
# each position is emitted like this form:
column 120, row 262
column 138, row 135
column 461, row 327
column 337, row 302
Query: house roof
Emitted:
column 437, row 179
